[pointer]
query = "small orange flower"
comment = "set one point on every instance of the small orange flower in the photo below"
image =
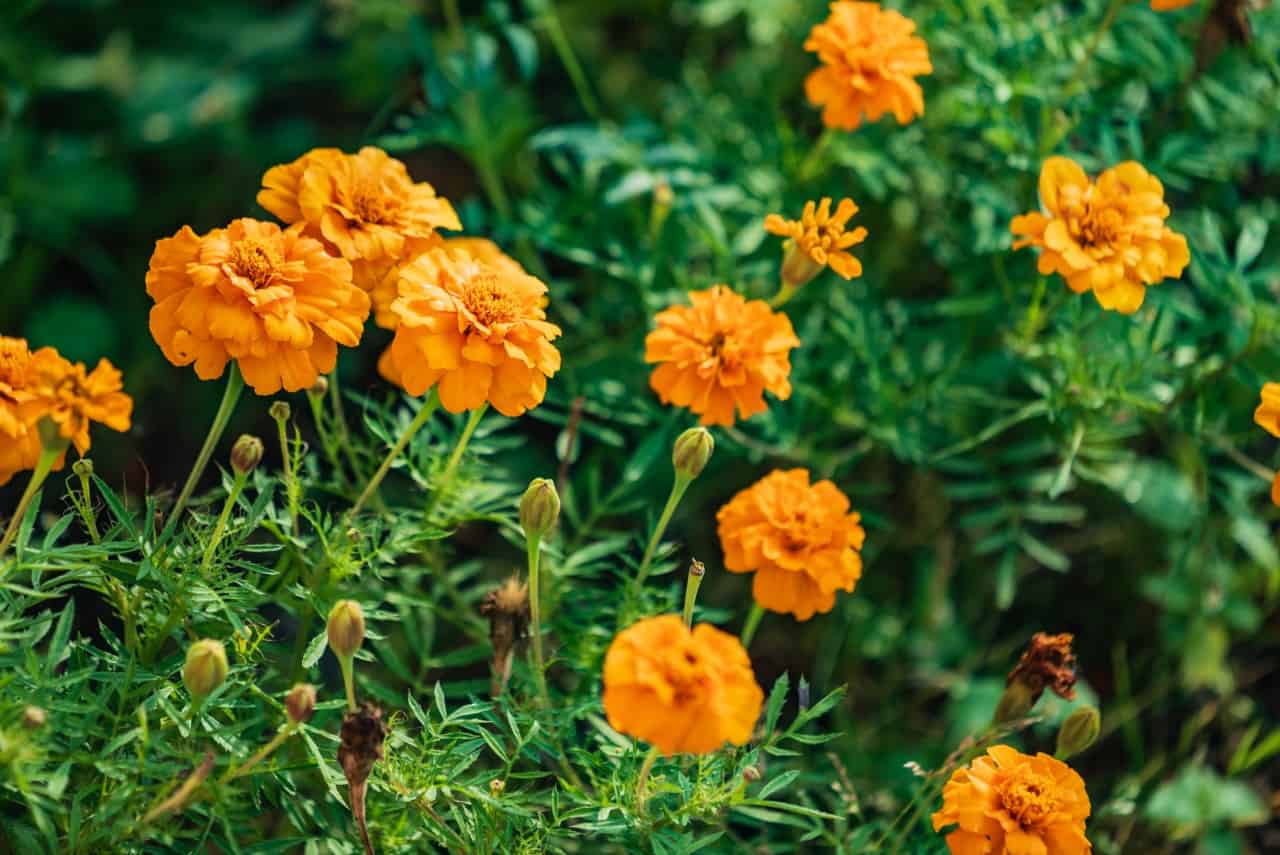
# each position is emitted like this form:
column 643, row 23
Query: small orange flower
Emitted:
column 19, row 442
column 686, row 692
column 1108, row 237
column 272, row 300
column 819, row 238
column 1009, row 803
column 384, row 293
column 73, row 398
column 1267, row 416
column 721, row 353
column 1166, row 5
column 475, row 329
column 364, row 206
column 870, row 59
column 800, row 540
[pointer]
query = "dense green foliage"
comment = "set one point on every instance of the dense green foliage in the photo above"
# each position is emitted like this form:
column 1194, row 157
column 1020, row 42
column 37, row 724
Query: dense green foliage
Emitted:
column 1023, row 460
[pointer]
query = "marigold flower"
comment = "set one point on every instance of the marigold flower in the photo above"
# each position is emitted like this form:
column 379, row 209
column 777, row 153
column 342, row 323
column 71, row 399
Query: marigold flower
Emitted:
column 476, row 330
column 1108, row 237
column 19, row 442
column 73, row 398
column 1267, row 416
column 273, row 300
column 799, row 539
column 870, row 59
column 1167, row 5
column 721, row 353
column 364, row 206
column 684, row 691
column 1009, row 803
column 387, row 288
column 819, row 238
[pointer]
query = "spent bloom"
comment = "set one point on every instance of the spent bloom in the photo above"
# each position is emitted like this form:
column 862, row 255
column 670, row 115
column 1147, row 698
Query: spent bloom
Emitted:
column 682, row 690
column 720, row 355
column 1267, row 416
column 818, row 239
column 870, row 59
column 1009, row 803
column 800, row 539
column 475, row 330
column 1108, row 236
column 364, row 206
column 273, row 300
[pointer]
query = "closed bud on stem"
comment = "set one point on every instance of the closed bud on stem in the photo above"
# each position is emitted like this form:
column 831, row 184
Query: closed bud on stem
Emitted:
column 346, row 628
column 319, row 388
column 300, row 703
column 663, row 198
column 496, row 786
column 83, row 467
column 34, row 718
column 692, row 451
column 1078, row 732
column 539, row 508
column 205, row 668
column 280, row 411
column 246, row 454
column 751, row 774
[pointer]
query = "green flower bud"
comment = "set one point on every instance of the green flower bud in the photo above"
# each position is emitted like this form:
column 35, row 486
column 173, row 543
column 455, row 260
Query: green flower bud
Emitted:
column 539, row 508
column 1078, row 732
column 205, row 668
column 246, row 454
column 692, row 451
column 83, row 467
column 346, row 628
column 280, row 411
column 300, row 703
column 319, row 388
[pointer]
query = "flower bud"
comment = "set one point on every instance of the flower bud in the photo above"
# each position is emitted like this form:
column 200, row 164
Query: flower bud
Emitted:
column 300, row 703
column 1078, row 732
column 246, row 454
column 346, row 628
column 539, row 508
column 205, row 668
column 34, row 718
column 751, row 774
column 280, row 411
column 692, row 451
column 319, row 388
column 83, row 467
column 496, row 786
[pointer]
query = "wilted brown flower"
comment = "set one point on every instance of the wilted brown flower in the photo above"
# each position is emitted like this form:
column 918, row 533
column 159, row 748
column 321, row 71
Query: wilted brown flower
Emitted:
column 1047, row 663
column 507, row 609
column 361, row 746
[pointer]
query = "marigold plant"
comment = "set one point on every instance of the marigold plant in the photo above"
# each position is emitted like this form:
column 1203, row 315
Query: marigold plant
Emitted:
column 1108, row 236
column 820, row 238
column 799, row 539
column 684, row 691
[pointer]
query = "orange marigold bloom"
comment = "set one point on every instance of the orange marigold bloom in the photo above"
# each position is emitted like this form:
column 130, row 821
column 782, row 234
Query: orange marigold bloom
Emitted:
column 364, row 206
column 684, row 691
column 1107, row 237
column 720, row 353
column 800, row 540
column 1166, row 5
column 273, row 300
column 19, row 442
column 870, row 59
column 73, row 397
column 1267, row 416
column 1009, row 803
column 818, row 239
column 384, row 293
column 476, row 330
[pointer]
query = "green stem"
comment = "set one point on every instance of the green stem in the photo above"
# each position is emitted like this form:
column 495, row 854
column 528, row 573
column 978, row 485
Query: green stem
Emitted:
column 340, row 419
column 451, row 467
column 220, row 526
column 813, row 161
column 44, row 465
column 677, row 493
column 262, row 753
column 643, row 778
column 291, row 487
column 551, row 22
column 347, row 663
column 696, row 572
column 424, row 412
column 86, row 510
column 534, row 547
column 1108, row 18
column 753, row 622
column 235, row 384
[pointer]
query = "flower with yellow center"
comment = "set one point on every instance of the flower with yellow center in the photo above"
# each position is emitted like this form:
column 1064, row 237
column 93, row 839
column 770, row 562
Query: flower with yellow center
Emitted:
column 273, row 300
column 363, row 206
column 73, row 398
column 818, row 239
column 1009, row 803
column 19, row 442
column 385, row 292
column 1107, row 237
column 870, row 59
column 474, row 330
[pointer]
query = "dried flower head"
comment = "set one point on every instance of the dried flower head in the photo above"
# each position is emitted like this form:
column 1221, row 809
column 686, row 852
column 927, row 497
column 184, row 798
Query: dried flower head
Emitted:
column 870, row 59
column 507, row 608
column 1267, row 416
column 474, row 330
column 274, row 301
column 720, row 354
column 1107, row 237
column 818, row 239
column 1009, row 803
column 73, row 398
column 1047, row 663
column 684, row 691
column 360, row 746
column 800, row 539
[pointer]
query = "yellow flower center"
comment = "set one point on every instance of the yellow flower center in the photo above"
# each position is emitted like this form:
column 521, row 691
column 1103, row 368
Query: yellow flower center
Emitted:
column 1101, row 227
column 14, row 357
column 256, row 260
column 1029, row 797
column 487, row 301
column 371, row 205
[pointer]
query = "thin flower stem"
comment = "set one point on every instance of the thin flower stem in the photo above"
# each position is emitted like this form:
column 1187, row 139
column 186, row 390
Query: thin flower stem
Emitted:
column 678, row 487
column 785, row 293
column 643, row 778
column 551, row 23
column 86, row 510
column 451, row 467
column 1108, row 18
column 235, row 385
column 291, row 486
column 340, row 419
column 348, row 663
column 263, row 753
column 44, row 465
column 220, row 526
column 424, row 412
column 534, row 545
column 753, row 622
column 813, row 161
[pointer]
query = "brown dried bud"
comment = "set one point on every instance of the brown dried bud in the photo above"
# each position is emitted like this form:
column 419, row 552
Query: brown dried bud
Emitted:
column 205, row 668
column 246, row 454
column 539, row 508
column 346, row 628
column 300, row 703
column 360, row 746
column 34, row 718
column 1078, row 732
column 507, row 609
column 280, row 411
column 319, row 388
column 751, row 774
column 697, row 569
column 1047, row 663
column 692, row 451
column 83, row 467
